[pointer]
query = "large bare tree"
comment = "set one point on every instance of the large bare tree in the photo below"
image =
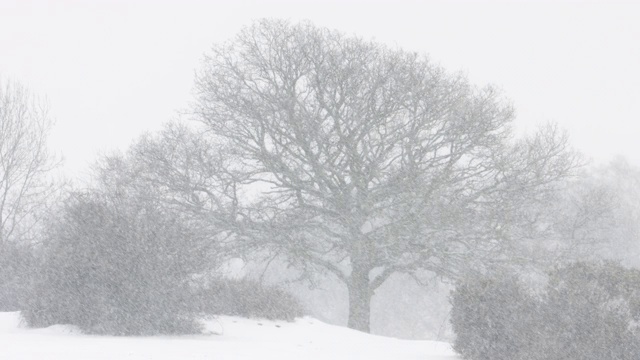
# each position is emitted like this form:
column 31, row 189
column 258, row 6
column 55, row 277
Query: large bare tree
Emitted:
column 362, row 160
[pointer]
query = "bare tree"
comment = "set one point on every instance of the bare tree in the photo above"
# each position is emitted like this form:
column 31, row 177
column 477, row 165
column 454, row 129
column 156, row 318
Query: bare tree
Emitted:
column 25, row 162
column 361, row 160
column 603, row 213
column 624, row 179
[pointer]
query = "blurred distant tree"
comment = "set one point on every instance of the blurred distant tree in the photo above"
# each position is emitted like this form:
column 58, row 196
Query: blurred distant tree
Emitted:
column 575, row 226
column 595, row 216
column 611, row 212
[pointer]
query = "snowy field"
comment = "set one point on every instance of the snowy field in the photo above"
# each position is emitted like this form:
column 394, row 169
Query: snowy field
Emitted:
column 229, row 338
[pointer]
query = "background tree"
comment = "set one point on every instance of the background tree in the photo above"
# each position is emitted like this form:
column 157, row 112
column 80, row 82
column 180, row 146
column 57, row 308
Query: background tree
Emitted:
column 576, row 225
column 25, row 184
column 595, row 217
column 361, row 160
column 621, row 233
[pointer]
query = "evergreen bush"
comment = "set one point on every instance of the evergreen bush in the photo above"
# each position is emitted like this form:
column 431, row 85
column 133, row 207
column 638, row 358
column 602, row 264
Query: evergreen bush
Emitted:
column 118, row 266
column 587, row 311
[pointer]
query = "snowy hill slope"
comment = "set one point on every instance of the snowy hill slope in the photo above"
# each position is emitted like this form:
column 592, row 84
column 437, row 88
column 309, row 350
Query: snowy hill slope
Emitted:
column 230, row 338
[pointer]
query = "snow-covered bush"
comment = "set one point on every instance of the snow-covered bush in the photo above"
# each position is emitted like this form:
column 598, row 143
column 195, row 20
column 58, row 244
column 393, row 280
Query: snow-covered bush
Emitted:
column 592, row 312
column 116, row 263
column 16, row 264
column 491, row 317
column 249, row 298
column 587, row 311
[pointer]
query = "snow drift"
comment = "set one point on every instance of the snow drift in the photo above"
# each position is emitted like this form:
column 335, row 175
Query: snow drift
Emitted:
column 225, row 338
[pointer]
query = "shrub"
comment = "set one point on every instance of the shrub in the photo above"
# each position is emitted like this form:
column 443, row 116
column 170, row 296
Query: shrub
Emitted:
column 491, row 318
column 116, row 265
column 248, row 298
column 588, row 311
column 17, row 262
column 592, row 312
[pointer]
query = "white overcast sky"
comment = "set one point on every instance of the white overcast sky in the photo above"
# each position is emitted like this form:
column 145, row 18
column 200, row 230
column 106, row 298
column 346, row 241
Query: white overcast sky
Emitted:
column 114, row 69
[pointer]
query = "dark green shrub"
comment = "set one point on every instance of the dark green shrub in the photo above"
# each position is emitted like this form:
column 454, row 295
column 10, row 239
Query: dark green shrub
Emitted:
column 587, row 311
column 248, row 298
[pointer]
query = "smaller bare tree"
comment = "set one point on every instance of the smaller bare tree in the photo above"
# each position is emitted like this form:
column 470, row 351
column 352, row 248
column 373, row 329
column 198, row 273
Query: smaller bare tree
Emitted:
column 25, row 185
column 25, row 161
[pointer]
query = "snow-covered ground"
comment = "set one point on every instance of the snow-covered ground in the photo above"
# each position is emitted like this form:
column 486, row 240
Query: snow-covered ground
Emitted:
column 229, row 338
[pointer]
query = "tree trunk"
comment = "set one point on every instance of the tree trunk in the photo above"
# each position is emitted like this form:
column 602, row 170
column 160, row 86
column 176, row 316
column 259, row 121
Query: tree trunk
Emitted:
column 359, row 300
